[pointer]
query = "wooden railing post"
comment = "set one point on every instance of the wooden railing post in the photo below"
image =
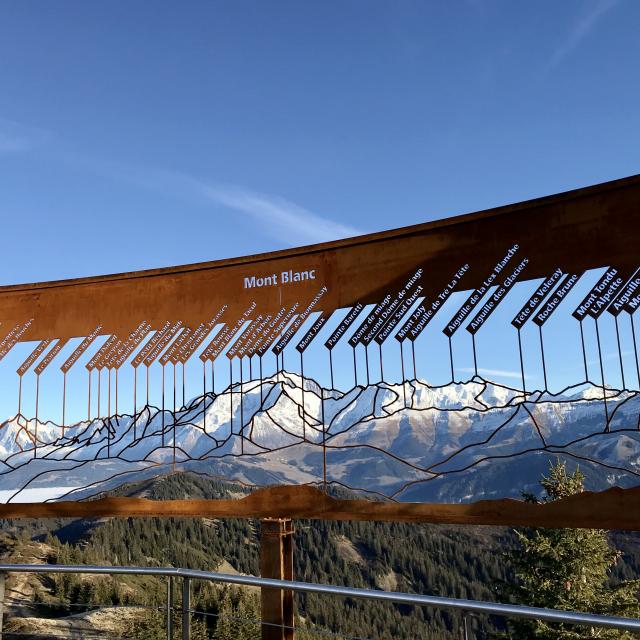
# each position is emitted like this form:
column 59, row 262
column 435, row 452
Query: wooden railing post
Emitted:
column 276, row 561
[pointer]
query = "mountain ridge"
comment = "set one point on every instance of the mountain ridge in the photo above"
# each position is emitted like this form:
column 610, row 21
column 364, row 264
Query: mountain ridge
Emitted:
column 410, row 441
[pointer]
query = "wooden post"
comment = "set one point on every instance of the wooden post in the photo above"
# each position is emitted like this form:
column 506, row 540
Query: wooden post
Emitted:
column 276, row 561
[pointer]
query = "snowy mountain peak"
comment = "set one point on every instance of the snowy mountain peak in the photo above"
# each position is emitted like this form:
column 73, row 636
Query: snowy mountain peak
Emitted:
column 385, row 436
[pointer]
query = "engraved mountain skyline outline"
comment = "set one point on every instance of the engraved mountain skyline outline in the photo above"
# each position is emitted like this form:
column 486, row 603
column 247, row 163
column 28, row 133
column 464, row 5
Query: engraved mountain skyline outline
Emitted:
column 413, row 442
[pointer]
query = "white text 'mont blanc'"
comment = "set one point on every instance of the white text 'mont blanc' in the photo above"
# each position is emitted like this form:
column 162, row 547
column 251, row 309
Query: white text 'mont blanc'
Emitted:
column 276, row 279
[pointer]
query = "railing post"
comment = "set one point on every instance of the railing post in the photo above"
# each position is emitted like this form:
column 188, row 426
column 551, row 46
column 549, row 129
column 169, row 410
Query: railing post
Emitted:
column 276, row 561
column 186, row 609
column 3, row 575
column 170, row 608
column 464, row 627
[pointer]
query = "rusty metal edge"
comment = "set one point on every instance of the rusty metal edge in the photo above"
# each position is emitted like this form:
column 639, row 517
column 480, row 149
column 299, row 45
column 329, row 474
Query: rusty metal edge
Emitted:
column 533, row 203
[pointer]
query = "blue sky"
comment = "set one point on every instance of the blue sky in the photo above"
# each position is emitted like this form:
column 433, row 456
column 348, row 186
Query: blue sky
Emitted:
column 175, row 133
column 138, row 135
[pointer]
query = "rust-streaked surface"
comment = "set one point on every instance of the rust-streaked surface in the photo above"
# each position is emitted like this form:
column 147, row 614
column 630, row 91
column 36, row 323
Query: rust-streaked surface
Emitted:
column 585, row 228
column 579, row 230
column 612, row 509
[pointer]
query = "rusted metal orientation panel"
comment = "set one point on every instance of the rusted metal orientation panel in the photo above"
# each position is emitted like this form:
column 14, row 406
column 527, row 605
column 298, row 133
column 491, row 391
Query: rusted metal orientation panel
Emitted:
column 583, row 229
column 446, row 362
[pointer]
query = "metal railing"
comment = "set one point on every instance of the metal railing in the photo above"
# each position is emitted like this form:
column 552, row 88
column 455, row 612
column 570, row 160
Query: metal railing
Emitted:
column 187, row 575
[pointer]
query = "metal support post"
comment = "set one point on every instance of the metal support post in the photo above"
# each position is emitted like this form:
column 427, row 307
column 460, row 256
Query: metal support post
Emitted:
column 276, row 561
column 186, row 609
column 170, row 608
column 3, row 575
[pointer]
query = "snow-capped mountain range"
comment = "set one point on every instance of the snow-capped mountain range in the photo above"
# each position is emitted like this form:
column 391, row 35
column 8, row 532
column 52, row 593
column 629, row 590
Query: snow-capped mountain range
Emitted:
column 460, row 442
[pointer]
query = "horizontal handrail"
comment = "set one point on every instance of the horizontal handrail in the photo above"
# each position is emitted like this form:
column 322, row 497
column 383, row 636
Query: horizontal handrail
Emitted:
column 475, row 606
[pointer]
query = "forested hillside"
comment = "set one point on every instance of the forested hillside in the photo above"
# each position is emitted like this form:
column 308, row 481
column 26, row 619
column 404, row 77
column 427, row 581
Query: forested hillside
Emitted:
column 462, row 562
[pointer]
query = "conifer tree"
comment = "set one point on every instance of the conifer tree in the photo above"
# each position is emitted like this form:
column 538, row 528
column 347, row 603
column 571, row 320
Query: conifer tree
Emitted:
column 248, row 615
column 567, row 569
column 225, row 624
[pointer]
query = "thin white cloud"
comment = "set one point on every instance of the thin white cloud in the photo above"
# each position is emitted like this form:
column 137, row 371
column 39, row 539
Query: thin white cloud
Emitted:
column 12, row 144
column 503, row 373
column 16, row 137
column 278, row 217
column 611, row 355
column 581, row 28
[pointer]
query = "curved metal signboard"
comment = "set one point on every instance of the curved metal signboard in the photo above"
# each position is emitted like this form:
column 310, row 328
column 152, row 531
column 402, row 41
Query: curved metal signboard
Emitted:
column 422, row 369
